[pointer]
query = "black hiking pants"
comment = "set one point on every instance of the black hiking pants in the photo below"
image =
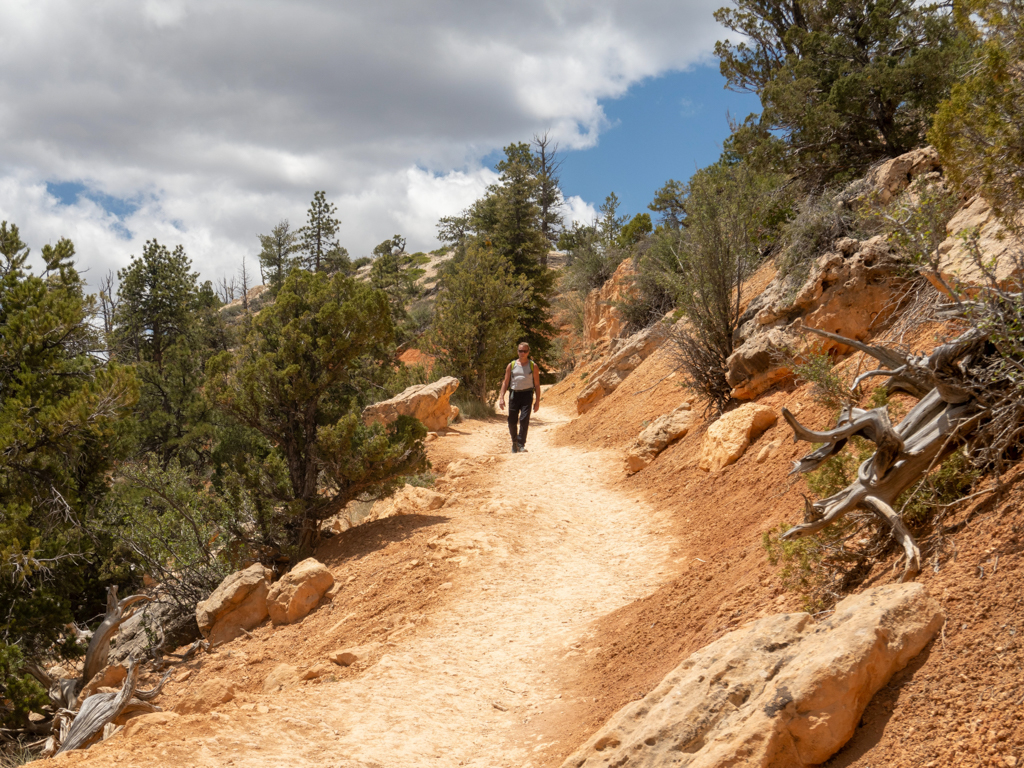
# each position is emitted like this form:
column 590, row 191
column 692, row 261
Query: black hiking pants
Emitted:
column 519, row 406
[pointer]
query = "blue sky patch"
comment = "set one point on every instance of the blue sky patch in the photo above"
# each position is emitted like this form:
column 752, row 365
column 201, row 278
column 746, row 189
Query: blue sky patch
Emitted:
column 664, row 128
column 69, row 192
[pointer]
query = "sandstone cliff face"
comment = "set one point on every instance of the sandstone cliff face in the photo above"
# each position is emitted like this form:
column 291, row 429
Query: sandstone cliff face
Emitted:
column 619, row 365
column 851, row 291
column 893, row 176
column 602, row 321
column 955, row 262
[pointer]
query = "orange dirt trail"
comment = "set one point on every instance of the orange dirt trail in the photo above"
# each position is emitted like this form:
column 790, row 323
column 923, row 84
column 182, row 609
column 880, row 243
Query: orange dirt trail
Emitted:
column 545, row 545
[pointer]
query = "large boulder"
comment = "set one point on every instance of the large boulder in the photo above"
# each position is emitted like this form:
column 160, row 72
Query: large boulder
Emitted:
column 603, row 381
column 727, row 439
column 761, row 362
column 657, row 435
column 782, row 691
column 298, row 591
column 996, row 245
column 427, row 402
column 240, row 602
column 602, row 320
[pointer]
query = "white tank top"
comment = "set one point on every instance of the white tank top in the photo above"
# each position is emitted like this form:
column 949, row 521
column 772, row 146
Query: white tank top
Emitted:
column 522, row 377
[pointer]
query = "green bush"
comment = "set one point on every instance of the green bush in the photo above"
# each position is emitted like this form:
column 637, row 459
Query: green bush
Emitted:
column 821, row 566
column 732, row 214
column 653, row 289
column 421, row 480
column 591, row 260
column 821, row 219
column 15, row 755
column 828, row 388
column 20, row 693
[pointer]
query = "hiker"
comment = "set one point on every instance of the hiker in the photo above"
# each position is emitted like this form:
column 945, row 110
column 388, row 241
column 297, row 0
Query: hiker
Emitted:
column 523, row 377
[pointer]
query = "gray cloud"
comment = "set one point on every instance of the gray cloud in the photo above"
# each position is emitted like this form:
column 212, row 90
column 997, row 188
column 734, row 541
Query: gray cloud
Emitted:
column 220, row 118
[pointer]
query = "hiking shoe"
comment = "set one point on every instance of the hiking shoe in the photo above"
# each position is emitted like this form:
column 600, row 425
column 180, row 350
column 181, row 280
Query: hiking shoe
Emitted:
column 515, row 448
column 522, row 448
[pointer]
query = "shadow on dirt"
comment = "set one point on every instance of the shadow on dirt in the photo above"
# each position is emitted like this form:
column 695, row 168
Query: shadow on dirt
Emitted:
column 371, row 537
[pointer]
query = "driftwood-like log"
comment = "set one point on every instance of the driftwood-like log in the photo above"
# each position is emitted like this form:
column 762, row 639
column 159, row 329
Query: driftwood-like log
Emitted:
column 98, row 710
column 99, row 647
column 933, row 429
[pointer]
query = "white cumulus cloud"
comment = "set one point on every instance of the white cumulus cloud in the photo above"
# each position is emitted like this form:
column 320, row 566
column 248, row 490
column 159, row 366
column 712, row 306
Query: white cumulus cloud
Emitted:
column 205, row 123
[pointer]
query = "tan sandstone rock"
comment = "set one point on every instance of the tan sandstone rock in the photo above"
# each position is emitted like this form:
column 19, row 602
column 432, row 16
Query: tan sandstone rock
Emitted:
column 851, row 291
column 427, row 402
column 601, row 319
column 893, row 176
column 995, row 243
column 409, row 500
column 153, row 721
column 657, row 435
column 240, row 602
column 281, row 676
column 298, row 591
column 606, row 378
column 346, row 657
column 782, row 691
column 210, row 694
column 728, row 438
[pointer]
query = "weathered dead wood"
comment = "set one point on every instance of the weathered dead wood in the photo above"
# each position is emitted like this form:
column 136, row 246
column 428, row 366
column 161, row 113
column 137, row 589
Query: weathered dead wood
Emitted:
column 99, row 647
column 934, row 428
column 98, row 710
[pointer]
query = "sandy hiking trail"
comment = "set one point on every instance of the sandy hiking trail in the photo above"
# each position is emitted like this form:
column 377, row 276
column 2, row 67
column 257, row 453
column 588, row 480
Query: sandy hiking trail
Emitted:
column 546, row 544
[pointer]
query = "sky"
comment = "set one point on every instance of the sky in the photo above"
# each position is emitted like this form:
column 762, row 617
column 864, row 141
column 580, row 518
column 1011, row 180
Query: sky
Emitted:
column 206, row 123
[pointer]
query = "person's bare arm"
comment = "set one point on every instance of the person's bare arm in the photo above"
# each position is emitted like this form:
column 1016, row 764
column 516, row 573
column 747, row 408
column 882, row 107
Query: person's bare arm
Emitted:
column 504, row 387
column 536, row 389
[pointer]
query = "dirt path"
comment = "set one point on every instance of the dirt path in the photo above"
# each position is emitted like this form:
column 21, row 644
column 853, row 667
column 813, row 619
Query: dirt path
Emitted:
column 547, row 546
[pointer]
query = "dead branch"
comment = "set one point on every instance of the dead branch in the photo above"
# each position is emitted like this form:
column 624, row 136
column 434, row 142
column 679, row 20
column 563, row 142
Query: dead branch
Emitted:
column 99, row 647
column 946, row 414
column 98, row 710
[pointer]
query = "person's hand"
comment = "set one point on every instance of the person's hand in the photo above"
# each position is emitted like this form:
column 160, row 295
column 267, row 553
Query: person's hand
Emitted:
column 501, row 404
column 536, row 406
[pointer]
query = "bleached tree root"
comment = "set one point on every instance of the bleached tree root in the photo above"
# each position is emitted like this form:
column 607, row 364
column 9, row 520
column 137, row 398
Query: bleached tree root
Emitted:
column 98, row 710
column 933, row 429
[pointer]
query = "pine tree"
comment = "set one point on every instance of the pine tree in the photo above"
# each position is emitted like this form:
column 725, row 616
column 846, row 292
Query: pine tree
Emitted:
column 392, row 273
column 978, row 130
column 156, row 298
column 169, row 326
column 549, row 196
column 61, row 419
column 508, row 220
column 277, row 254
column 476, row 317
column 318, row 240
column 669, row 202
column 843, row 83
column 299, row 380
